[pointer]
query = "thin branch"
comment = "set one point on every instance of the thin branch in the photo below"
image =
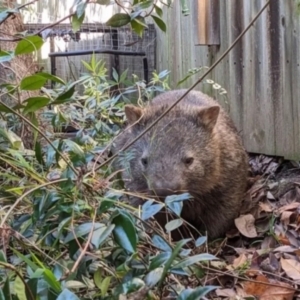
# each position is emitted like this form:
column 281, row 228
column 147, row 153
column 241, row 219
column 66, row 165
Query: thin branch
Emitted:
column 86, row 245
column 42, row 134
column 26, row 194
column 12, row 268
column 188, row 90
column 19, row 7
column 253, row 280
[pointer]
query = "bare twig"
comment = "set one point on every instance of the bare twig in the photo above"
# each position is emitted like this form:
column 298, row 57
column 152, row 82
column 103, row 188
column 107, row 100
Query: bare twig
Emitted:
column 188, row 90
column 26, row 194
column 12, row 268
column 42, row 134
column 253, row 280
column 19, row 7
column 83, row 252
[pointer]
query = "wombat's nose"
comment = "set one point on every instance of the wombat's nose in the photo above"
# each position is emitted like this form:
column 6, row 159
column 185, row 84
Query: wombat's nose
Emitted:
column 164, row 192
column 164, row 189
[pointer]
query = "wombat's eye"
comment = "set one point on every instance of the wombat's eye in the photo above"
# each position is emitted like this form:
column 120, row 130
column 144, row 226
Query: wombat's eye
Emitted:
column 144, row 161
column 188, row 160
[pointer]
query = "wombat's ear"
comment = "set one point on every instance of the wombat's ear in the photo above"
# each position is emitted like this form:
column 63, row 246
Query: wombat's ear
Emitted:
column 208, row 116
column 133, row 113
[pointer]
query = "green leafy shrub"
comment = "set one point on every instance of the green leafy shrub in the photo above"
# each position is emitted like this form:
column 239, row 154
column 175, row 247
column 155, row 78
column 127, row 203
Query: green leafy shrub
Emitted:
column 65, row 232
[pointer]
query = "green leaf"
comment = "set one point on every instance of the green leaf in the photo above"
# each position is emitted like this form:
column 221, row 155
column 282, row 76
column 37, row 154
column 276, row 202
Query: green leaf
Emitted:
column 149, row 210
column 67, row 295
column 98, row 278
column 160, row 243
column 38, row 153
column 51, row 77
column 29, row 44
column 66, row 95
column 6, row 56
column 14, row 140
column 2, row 256
column 174, row 224
column 35, row 103
column 74, row 147
column 32, row 284
column 6, row 289
column 195, row 294
column 33, row 82
column 105, row 285
column 194, row 259
column 124, row 232
column 3, row 15
column 174, row 202
column 160, row 23
column 145, row 4
column 180, row 197
column 153, row 277
column 87, row 66
column 83, row 230
column 80, row 9
column 118, row 20
column 159, row 260
column 30, row 263
column 33, row 119
column 123, row 76
column 138, row 27
column 101, row 235
column 19, row 288
column 51, row 280
column 77, row 21
column 200, row 241
column 132, row 285
column 103, row 2
column 3, row 297
column 4, row 109
column 115, row 75
column 169, row 262
column 158, row 10
column 10, row 88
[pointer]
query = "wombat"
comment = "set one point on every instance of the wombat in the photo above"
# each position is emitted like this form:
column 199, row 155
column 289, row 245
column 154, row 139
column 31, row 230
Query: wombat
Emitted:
column 195, row 148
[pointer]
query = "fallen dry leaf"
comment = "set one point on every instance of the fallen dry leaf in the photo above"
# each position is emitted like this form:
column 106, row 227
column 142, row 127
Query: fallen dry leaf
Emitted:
column 291, row 267
column 291, row 206
column 245, row 225
column 285, row 217
column 270, row 196
column 239, row 261
column 285, row 249
column 225, row 293
column 278, row 291
column 264, row 206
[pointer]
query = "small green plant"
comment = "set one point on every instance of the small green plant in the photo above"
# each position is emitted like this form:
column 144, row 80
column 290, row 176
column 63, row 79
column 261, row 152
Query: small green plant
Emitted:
column 66, row 233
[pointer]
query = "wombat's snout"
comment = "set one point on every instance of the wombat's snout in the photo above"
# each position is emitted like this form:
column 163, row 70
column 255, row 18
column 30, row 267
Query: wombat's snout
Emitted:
column 164, row 189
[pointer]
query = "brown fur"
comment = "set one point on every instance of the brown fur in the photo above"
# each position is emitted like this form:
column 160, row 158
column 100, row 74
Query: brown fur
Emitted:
column 196, row 129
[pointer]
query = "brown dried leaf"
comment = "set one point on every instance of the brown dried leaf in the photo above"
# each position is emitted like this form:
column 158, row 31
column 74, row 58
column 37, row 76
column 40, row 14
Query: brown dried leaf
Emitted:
column 291, row 268
column 291, row 206
column 285, row 217
column 226, row 293
column 239, row 261
column 280, row 291
column 285, row 249
column 270, row 196
column 264, row 206
column 245, row 225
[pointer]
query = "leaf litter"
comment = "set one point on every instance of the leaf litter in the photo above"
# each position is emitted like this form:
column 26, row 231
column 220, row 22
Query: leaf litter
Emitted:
column 260, row 257
column 262, row 253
